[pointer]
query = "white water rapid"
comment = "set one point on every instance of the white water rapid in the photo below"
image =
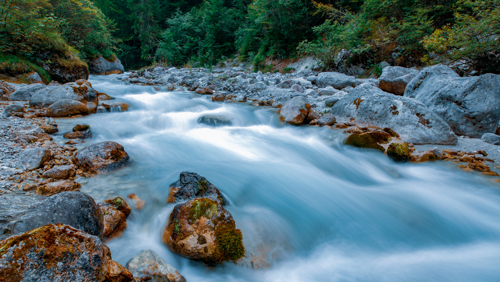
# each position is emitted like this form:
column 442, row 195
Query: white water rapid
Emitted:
column 316, row 209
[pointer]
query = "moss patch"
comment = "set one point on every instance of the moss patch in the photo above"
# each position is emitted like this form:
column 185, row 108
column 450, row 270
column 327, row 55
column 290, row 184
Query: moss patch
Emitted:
column 364, row 140
column 229, row 243
column 399, row 152
column 202, row 207
column 20, row 68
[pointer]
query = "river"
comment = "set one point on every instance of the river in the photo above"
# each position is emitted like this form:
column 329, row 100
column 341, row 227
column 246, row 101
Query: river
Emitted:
column 315, row 209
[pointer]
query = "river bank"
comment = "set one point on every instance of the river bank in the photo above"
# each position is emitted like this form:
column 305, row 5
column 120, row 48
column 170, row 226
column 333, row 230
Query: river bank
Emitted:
column 299, row 196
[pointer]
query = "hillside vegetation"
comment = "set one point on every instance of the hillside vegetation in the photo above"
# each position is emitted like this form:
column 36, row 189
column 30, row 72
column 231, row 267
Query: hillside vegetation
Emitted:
column 205, row 32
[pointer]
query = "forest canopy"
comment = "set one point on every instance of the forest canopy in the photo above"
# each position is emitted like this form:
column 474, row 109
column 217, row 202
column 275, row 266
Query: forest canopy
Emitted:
column 204, row 32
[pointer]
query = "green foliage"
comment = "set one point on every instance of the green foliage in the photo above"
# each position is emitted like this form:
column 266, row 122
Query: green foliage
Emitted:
column 476, row 34
column 206, row 34
column 13, row 66
column 52, row 31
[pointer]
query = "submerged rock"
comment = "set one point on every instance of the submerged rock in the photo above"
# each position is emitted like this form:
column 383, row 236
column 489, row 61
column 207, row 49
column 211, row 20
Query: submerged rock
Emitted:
column 295, row 111
column 192, row 185
column 148, row 266
column 101, row 157
column 470, row 105
column 120, row 204
column 214, row 120
column 53, row 253
column 364, row 140
column 19, row 214
column 203, row 230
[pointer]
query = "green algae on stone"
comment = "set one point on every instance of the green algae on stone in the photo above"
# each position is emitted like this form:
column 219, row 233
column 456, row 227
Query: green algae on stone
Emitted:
column 202, row 207
column 399, row 152
column 364, row 140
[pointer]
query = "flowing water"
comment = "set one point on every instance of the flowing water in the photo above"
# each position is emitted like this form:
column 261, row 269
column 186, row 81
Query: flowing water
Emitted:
column 310, row 208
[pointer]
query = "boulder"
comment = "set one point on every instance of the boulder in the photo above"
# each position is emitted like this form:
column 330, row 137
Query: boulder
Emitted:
column 53, row 253
column 25, row 93
column 66, row 107
column 117, row 273
column 414, row 122
column 298, row 88
column 34, row 77
column 203, row 230
column 57, row 187
column 326, row 119
column 470, row 105
column 115, row 221
column 60, row 172
column 148, row 266
column 399, row 152
column 335, row 79
column 80, row 91
column 67, row 68
column 12, row 109
column 328, row 91
column 192, row 185
column 491, row 138
column 395, row 79
column 19, row 213
column 295, row 110
column 33, row 158
column 101, row 157
column 119, row 204
column 102, row 66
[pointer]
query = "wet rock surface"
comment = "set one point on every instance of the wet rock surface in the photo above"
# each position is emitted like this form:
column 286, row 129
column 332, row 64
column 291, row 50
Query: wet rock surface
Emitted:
column 103, row 66
column 192, row 185
column 148, row 266
column 66, row 107
column 20, row 214
column 395, row 79
column 203, row 230
column 57, row 187
column 468, row 104
column 295, row 111
column 53, row 253
column 411, row 119
column 102, row 157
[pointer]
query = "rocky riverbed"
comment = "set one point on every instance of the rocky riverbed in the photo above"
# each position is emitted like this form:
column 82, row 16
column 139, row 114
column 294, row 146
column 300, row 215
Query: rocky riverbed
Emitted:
column 410, row 115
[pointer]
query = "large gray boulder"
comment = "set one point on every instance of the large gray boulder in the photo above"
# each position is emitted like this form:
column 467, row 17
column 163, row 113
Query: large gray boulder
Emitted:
column 335, row 79
column 395, row 79
column 149, row 266
column 67, row 107
column 79, row 91
column 414, row 122
column 295, row 111
column 25, row 93
column 102, row 66
column 19, row 213
column 470, row 105
column 33, row 158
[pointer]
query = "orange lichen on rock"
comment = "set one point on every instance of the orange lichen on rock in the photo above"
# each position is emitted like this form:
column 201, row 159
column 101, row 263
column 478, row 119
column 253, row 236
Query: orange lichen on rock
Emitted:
column 53, row 253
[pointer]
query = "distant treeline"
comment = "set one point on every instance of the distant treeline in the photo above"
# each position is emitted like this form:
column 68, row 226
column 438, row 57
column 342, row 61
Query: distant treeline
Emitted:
column 180, row 32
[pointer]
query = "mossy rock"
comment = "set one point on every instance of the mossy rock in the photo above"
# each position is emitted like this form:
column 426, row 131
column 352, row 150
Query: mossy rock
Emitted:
column 399, row 152
column 203, row 230
column 365, row 140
